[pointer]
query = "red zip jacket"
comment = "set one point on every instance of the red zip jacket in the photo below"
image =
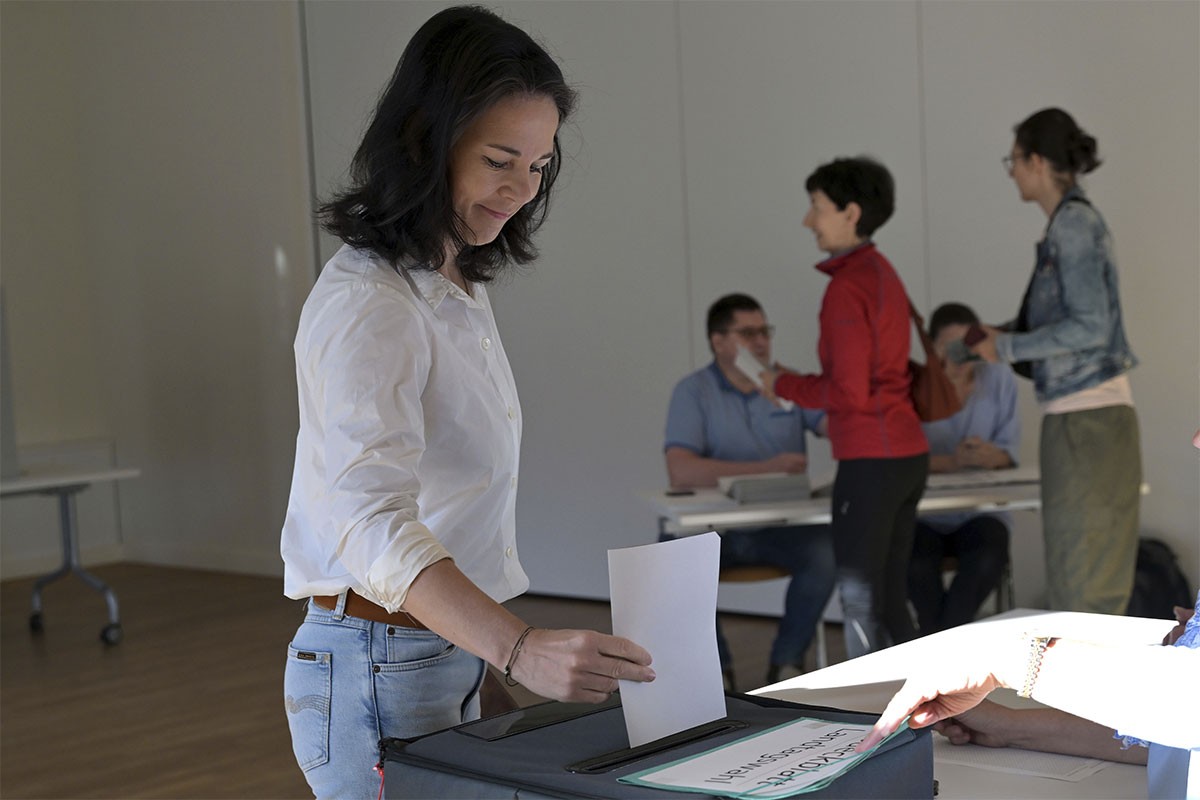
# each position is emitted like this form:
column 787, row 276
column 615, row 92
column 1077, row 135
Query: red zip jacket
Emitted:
column 864, row 381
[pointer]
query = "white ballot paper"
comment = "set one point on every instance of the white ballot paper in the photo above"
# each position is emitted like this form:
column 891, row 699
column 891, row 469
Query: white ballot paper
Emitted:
column 789, row 759
column 749, row 366
column 664, row 597
column 752, row 368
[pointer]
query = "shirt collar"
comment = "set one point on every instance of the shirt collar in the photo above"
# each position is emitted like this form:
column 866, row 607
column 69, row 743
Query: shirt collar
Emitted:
column 436, row 287
column 723, row 383
column 831, row 264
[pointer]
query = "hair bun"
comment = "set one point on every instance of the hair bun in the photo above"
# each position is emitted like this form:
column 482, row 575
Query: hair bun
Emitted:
column 1081, row 150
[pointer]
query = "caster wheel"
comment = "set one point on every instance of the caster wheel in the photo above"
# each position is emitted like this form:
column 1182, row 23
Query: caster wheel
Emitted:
column 35, row 622
column 111, row 633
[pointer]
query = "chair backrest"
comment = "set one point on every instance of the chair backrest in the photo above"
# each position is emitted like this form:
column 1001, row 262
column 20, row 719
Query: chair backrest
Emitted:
column 752, row 572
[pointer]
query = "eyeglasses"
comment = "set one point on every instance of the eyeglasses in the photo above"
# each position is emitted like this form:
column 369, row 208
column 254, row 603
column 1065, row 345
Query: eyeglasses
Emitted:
column 766, row 331
column 1009, row 160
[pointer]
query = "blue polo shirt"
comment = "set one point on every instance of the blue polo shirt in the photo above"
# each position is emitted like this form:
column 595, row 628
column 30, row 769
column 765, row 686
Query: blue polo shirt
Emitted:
column 712, row 418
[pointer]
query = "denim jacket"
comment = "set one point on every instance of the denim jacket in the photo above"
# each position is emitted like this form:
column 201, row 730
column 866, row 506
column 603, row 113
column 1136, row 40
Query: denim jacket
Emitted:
column 1071, row 327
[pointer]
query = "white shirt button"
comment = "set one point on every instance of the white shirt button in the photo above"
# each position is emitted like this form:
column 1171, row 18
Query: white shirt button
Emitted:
column 512, row 413
column 508, row 552
column 486, row 343
column 514, row 482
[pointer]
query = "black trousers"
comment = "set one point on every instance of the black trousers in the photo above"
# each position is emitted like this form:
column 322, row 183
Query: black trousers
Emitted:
column 874, row 510
column 980, row 544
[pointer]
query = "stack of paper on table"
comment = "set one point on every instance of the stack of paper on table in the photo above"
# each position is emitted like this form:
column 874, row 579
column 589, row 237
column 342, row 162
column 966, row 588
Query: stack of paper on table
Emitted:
column 769, row 487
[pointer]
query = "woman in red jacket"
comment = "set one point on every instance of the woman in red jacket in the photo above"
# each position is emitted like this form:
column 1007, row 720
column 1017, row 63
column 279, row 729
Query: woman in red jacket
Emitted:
column 863, row 386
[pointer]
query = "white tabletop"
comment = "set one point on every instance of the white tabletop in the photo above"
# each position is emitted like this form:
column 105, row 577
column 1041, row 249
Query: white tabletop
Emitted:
column 868, row 683
column 711, row 509
column 48, row 478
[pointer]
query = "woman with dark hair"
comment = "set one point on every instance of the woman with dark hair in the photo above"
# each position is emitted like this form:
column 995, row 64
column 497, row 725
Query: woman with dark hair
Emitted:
column 400, row 528
column 863, row 386
column 1070, row 339
column 984, row 434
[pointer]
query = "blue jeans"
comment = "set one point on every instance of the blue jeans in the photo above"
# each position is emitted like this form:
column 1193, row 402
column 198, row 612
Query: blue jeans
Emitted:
column 806, row 551
column 350, row 682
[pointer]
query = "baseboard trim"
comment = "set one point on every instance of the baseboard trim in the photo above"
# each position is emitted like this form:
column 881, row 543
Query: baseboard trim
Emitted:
column 175, row 555
column 27, row 566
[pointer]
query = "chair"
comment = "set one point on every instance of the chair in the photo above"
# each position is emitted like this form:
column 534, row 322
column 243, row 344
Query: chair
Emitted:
column 749, row 573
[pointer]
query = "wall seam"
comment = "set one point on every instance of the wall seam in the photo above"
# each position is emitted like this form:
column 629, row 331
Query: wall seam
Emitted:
column 310, row 140
column 683, row 184
column 921, row 114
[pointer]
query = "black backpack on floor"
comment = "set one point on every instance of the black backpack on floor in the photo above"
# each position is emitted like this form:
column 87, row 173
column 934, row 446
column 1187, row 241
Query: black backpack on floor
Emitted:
column 1159, row 584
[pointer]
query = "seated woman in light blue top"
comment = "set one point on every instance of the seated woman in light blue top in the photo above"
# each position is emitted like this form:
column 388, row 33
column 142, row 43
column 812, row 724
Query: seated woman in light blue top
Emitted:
column 985, row 434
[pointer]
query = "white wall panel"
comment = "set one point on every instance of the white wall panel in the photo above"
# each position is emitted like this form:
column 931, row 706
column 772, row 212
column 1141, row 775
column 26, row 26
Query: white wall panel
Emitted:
column 194, row 185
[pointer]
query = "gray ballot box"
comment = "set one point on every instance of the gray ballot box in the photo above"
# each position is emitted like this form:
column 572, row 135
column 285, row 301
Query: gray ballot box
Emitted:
column 576, row 750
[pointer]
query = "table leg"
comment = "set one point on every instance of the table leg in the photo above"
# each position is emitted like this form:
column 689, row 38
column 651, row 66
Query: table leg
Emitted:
column 68, row 525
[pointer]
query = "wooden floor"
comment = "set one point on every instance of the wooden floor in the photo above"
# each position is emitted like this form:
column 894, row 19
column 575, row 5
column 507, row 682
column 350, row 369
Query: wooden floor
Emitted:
column 189, row 704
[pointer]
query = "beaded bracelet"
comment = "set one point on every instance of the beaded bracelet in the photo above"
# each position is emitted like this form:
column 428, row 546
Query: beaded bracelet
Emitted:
column 512, row 658
column 1037, row 650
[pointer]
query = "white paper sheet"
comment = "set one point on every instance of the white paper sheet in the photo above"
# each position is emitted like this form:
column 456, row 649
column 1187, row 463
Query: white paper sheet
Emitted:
column 1016, row 761
column 664, row 597
column 752, row 368
column 748, row 365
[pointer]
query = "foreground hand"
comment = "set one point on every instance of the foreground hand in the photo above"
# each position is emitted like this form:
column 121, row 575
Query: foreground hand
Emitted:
column 946, row 691
column 579, row 666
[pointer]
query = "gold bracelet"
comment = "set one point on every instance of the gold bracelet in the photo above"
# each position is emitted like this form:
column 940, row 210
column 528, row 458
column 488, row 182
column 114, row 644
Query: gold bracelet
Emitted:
column 512, row 658
column 1033, row 667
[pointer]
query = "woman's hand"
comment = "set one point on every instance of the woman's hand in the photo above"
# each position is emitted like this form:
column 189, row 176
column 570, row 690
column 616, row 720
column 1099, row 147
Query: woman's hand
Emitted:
column 1182, row 615
column 579, row 666
column 975, row 452
column 985, row 348
column 945, row 690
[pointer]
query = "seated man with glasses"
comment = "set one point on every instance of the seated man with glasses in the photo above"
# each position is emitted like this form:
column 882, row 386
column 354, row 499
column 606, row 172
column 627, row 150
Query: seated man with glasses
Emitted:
column 719, row 425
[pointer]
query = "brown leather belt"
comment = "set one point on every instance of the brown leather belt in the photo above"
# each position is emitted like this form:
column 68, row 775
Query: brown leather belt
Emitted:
column 363, row 608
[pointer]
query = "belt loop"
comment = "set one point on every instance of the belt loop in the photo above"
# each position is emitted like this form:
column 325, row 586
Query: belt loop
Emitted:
column 339, row 610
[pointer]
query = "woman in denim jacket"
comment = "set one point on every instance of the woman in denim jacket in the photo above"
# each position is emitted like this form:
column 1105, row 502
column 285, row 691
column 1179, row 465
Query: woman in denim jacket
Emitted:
column 1069, row 338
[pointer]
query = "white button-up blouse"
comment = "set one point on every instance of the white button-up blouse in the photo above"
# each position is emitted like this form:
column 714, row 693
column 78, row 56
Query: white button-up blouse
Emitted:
column 410, row 434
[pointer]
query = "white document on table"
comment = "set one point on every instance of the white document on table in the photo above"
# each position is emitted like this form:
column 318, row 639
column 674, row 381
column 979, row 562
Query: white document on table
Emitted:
column 1016, row 761
column 664, row 597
